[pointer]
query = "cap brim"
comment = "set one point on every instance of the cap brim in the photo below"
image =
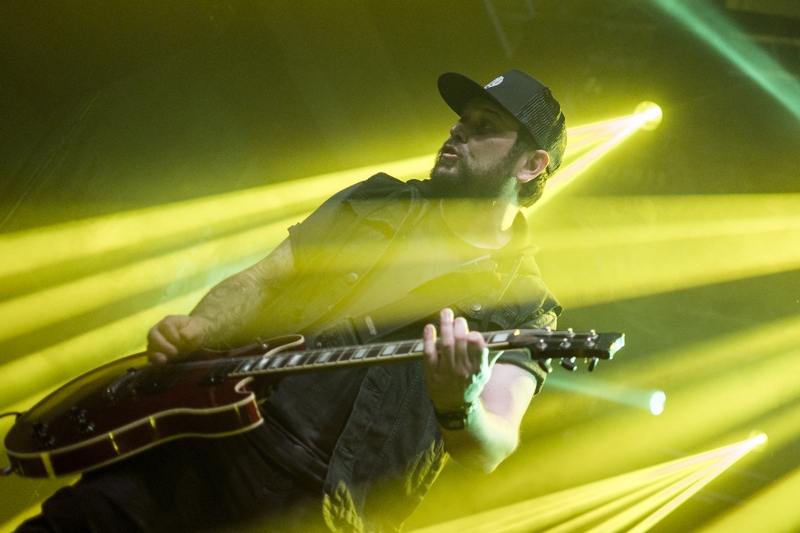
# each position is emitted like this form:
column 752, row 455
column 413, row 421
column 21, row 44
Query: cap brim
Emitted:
column 457, row 89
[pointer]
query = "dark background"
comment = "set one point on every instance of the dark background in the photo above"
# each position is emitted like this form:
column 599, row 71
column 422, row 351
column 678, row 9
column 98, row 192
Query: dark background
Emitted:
column 113, row 106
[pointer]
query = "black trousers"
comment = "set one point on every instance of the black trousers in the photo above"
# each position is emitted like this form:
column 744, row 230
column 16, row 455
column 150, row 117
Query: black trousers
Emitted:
column 191, row 484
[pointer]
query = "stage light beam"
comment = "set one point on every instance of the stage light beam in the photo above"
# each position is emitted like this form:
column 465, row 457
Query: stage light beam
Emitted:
column 647, row 116
column 651, row 113
column 775, row 505
column 60, row 362
column 652, row 401
column 47, row 247
column 51, row 245
column 236, row 217
column 632, row 502
column 714, row 28
column 668, row 243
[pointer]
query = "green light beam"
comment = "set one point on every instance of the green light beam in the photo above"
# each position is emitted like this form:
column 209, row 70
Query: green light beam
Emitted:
column 650, row 400
column 715, row 29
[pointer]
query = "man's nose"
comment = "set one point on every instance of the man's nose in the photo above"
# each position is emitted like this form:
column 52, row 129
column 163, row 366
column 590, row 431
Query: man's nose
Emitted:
column 458, row 132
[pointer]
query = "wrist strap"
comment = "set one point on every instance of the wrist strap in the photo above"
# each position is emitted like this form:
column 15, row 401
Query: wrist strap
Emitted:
column 457, row 418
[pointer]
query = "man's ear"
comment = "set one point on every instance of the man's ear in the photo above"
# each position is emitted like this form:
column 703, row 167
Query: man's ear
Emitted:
column 534, row 164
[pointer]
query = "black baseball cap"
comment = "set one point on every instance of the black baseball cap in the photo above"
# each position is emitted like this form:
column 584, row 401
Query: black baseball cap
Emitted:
column 526, row 98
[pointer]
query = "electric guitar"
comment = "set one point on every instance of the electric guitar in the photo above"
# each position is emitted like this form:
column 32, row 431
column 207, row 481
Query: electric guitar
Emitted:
column 128, row 406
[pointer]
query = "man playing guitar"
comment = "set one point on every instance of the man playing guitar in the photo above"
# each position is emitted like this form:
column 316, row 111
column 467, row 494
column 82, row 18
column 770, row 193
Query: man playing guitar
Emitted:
column 355, row 449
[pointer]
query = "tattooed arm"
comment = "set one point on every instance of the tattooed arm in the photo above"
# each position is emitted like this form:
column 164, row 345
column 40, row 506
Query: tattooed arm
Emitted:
column 226, row 310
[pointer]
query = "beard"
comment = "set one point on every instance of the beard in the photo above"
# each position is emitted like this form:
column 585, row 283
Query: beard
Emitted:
column 457, row 179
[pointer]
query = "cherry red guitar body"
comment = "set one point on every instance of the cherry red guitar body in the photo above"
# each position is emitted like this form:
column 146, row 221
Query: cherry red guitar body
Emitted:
column 125, row 407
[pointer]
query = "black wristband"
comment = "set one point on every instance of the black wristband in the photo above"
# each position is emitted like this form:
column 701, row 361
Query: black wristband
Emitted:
column 457, row 418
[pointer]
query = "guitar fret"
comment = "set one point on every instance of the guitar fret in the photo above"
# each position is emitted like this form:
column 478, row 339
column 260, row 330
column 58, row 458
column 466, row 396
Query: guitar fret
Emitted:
column 248, row 365
column 346, row 354
column 324, row 356
column 276, row 361
column 388, row 350
column 339, row 354
column 311, row 358
column 404, row 348
column 374, row 351
column 293, row 360
column 500, row 336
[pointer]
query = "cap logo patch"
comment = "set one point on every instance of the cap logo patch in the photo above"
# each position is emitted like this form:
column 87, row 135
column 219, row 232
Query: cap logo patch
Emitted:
column 497, row 81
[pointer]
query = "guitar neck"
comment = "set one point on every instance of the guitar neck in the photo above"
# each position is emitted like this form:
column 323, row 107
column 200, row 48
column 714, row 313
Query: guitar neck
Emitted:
column 327, row 358
column 544, row 345
column 345, row 356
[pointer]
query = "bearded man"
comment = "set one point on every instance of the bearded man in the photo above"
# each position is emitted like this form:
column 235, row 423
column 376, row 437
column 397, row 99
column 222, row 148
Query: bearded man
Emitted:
column 356, row 449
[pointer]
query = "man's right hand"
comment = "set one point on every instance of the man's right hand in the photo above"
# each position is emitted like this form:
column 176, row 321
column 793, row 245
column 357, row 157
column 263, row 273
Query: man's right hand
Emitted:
column 175, row 336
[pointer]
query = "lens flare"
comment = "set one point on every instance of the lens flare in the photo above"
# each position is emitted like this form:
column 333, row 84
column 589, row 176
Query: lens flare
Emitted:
column 651, row 115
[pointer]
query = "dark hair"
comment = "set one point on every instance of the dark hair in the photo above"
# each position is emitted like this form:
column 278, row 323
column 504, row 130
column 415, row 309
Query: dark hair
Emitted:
column 532, row 190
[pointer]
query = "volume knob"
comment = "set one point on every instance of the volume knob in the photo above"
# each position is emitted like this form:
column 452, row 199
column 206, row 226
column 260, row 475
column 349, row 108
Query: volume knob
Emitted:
column 42, row 434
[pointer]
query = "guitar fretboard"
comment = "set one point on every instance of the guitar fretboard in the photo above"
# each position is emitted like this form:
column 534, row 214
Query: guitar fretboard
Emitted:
column 348, row 355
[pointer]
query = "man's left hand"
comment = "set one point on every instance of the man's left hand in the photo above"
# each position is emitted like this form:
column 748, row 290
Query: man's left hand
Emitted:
column 457, row 367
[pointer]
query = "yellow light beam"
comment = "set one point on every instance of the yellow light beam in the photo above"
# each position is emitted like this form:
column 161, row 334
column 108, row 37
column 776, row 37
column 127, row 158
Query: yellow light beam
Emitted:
column 762, row 343
column 581, row 137
column 36, row 310
column 550, row 510
column 616, row 515
column 30, row 374
column 37, row 248
column 772, row 386
column 676, row 244
column 751, row 378
column 51, row 245
column 576, row 515
column 584, row 521
column 568, row 175
column 648, row 112
column 672, row 497
column 773, row 510
column 612, row 505
column 643, row 219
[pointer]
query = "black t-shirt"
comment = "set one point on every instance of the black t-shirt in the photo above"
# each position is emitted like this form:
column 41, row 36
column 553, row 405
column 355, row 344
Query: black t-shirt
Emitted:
column 306, row 414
